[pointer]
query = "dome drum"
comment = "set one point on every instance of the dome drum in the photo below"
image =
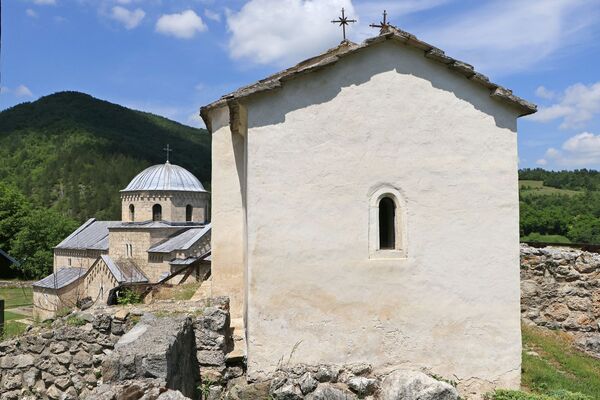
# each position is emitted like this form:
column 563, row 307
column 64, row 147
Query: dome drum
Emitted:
column 165, row 192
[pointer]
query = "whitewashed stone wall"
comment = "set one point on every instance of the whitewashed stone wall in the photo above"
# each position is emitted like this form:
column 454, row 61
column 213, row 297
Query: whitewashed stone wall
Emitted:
column 293, row 180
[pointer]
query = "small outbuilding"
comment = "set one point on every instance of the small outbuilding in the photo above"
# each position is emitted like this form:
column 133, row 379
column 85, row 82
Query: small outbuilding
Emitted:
column 56, row 292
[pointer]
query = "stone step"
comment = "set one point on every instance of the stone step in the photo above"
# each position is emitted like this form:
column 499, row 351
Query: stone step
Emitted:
column 238, row 333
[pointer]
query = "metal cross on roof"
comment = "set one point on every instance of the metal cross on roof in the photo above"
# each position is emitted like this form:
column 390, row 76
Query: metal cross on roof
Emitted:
column 382, row 24
column 343, row 21
column 168, row 149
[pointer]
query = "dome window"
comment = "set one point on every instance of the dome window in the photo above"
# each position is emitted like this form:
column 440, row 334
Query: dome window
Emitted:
column 189, row 210
column 157, row 212
column 131, row 212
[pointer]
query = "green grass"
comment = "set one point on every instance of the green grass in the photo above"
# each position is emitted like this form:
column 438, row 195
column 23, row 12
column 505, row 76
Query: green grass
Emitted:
column 16, row 297
column 519, row 395
column 558, row 365
column 11, row 315
column 12, row 329
column 538, row 188
column 538, row 237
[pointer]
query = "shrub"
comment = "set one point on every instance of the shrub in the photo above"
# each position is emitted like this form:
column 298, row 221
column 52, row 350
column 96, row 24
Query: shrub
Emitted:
column 129, row 296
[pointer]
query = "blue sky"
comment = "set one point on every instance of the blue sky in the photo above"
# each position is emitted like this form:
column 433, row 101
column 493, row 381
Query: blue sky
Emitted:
column 172, row 56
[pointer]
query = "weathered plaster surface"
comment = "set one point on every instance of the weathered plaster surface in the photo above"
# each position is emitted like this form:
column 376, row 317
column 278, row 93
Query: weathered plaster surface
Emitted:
column 228, row 230
column 316, row 150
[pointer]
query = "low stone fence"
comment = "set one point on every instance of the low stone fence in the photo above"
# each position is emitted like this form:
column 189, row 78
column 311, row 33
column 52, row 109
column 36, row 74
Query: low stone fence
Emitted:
column 98, row 353
column 560, row 289
column 59, row 361
column 15, row 283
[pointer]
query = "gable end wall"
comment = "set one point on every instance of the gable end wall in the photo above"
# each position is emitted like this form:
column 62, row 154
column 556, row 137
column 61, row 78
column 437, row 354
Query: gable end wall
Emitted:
column 316, row 150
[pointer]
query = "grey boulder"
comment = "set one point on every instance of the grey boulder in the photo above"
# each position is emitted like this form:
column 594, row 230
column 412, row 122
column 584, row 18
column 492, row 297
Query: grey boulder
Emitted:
column 413, row 385
column 328, row 391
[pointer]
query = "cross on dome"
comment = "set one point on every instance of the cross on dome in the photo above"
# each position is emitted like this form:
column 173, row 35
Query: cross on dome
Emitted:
column 168, row 149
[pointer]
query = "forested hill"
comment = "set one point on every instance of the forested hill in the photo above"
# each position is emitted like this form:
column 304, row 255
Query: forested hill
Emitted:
column 73, row 152
column 560, row 206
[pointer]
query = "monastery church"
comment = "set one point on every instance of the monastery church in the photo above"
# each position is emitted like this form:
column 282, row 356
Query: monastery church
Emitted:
column 164, row 228
column 364, row 208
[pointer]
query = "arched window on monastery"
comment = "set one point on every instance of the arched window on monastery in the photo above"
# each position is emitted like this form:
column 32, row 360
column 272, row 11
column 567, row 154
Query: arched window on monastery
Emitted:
column 157, row 212
column 131, row 212
column 387, row 224
column 189, row 210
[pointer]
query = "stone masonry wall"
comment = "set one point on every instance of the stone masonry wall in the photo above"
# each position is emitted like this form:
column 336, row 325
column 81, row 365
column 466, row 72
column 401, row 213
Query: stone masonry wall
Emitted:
column 67, row 359
column 59, row 361
column 560, row 289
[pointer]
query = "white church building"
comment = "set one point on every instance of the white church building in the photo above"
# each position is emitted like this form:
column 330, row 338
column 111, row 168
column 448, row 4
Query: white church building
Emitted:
column 365, row 209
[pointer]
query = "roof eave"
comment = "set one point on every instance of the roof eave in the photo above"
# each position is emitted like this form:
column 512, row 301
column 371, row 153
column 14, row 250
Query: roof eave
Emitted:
column 333, row 55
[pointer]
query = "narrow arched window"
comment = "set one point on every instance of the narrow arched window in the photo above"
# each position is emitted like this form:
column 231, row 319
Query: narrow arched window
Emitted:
column 131, row 212
column 387, row 224
column 156, row 212
column 189, row 210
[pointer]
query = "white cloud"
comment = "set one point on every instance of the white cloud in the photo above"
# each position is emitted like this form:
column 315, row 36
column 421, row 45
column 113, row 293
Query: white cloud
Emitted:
column 544, row 93
column 581, row 150
column 184, row 25
column 129, row 19
column 576, row 106
column 23, row 91
column 541, row 162
column 215, row 16
column 504, row 36
column 45, row 2
column 31, row 13
column 284, row 31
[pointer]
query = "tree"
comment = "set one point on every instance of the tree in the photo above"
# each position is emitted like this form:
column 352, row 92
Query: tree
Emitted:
column 585, row 229
column 41, row 231
column 13, row 208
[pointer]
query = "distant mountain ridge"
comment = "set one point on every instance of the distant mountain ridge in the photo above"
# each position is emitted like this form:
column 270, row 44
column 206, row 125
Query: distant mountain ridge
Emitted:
column 73, row 152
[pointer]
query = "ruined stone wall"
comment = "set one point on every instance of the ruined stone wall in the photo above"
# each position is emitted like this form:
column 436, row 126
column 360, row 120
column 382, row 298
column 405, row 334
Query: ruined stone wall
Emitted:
column 72, row 356
column 560, row 289
column 58, row 361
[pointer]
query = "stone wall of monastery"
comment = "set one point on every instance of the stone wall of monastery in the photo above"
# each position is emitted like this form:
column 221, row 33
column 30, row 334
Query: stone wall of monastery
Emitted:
column 560, row 289
column 140, row 240
column 98, row 282
column 75, row 258
column 46, row 302
column 173, row 205
column 74, row 355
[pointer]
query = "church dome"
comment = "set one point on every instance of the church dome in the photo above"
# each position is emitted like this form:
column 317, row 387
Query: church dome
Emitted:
column 165, row 177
